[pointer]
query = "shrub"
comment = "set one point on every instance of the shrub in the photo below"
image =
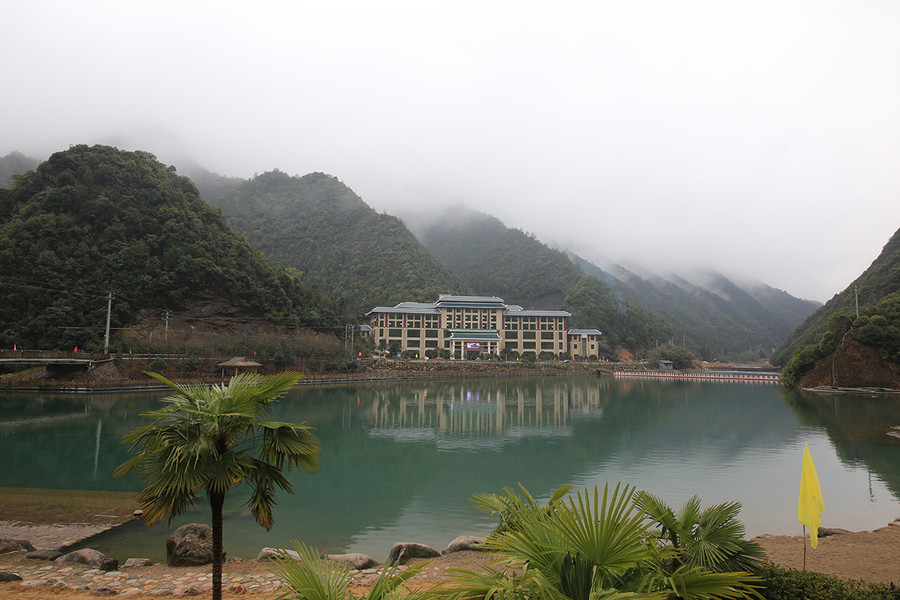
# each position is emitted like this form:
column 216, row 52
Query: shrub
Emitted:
column 780, row 583
column 159, row 365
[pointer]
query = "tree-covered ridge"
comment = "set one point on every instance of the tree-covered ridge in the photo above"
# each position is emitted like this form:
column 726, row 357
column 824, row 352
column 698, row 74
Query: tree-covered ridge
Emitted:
column 319, row 226
column 516, row 266
column 716, row 320
column 95, row 219
column 878, row 281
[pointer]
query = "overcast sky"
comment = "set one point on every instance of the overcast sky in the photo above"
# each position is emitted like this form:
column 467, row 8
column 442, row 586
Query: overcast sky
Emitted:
column 758, row 138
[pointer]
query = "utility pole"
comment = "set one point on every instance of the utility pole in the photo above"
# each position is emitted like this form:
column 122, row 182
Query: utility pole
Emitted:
column 167, row 326
column 109, row 297
column 856, row 294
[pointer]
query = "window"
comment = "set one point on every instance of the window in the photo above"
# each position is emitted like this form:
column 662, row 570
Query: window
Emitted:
column 395, row 320
column 546, row 335
column 510, row 323
column 432, row 333
column 431, row 343
column 413, row 343
column 413, row 333
column 528, row 345
column 546, row 345
column 432, row 321
column 512, row 345
column 395, row 332
column 528, row 335
column 511, row 335
column 547, row 323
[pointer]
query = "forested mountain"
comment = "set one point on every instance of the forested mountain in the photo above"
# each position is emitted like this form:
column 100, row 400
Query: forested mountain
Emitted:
column 881, row 279
column 318, row 225
column 92, row 220
column 15, row 163
column 509, row 263
column 716, row 317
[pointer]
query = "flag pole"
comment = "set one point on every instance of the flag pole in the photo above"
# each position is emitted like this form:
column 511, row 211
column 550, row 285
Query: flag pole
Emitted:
column 803, row 539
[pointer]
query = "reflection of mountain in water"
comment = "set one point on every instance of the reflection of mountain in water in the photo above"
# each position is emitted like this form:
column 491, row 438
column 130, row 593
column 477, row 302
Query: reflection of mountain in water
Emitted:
column 858, row 427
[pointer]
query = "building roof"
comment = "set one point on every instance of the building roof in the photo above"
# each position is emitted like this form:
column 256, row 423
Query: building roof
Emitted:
column 584, row 332
column 433, row 308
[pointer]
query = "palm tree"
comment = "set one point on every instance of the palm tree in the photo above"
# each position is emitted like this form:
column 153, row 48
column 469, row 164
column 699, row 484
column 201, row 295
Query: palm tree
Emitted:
column 590, row 547
column 213, row 439
column 712, row 537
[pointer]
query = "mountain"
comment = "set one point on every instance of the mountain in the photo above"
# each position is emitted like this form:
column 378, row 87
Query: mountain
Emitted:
column 93, row 220
column 497, row 260
column 712, row 315
column 871, row 287
column 15, row 163
column 319, row 226
column 716, row 318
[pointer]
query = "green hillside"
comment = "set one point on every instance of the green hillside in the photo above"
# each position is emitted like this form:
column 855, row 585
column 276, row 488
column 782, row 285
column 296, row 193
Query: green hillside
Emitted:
column 15, row 163
column 509, row 263
column 91, row 220
column 881, row 279
column 319, row 226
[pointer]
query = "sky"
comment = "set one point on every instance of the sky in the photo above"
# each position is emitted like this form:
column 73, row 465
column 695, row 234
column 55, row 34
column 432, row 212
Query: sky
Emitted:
column 760, row 139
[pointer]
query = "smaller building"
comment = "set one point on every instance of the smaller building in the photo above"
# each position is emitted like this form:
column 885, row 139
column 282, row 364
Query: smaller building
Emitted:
column 584, row 343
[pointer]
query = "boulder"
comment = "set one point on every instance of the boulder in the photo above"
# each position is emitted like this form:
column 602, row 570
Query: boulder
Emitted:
column 828, row 531
column 274, row 553
column 47, row 554
column 14, row 545
column 138, row 562
column 9, row 576
column 401, row 552
column 90, row 557
column 355, row 560
column 465, row 542
column 190, row 545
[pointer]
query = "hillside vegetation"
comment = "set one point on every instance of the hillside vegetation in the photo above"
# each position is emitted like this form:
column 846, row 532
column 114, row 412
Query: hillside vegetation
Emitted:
column 877, row 282
column 319, row 226
column 93, row 219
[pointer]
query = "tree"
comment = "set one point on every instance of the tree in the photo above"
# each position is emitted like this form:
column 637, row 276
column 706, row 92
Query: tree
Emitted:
column 214, row 439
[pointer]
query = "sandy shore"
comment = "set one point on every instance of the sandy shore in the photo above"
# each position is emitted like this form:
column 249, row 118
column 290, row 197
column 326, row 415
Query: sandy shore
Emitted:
column 873, row 556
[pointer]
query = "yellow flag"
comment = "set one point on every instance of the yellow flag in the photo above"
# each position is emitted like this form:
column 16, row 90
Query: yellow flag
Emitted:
column 810, row 505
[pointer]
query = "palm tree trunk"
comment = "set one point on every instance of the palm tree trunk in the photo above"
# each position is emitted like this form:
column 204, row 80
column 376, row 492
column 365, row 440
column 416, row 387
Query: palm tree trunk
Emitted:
column 216, row 500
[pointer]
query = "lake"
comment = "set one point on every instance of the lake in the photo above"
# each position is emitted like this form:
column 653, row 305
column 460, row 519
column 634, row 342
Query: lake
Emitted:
column 400, row 460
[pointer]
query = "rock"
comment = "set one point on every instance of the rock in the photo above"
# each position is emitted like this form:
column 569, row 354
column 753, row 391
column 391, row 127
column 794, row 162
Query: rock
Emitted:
column 138, row 562
column 48, row 554
column 465, row 542
column 401, row 552
column 273, row 553
column 104, row 591
column 190, row 545
column 15, row 545
column 355, row 560
column 827, row 531
column 9, row 576
column 89, row 556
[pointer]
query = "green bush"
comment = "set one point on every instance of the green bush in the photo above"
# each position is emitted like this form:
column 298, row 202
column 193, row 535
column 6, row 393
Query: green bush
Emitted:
column 790, row 584
column 159, row 365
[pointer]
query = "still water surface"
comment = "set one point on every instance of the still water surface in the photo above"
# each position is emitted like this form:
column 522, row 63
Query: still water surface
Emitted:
column 400, row 460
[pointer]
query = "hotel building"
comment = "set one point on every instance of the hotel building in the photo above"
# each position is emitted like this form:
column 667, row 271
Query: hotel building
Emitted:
column 466, row 326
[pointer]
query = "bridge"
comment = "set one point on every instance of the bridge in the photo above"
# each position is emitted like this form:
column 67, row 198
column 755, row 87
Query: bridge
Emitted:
column 54, row 361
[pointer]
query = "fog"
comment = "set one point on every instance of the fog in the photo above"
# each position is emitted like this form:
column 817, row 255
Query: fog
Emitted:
column 761, row 139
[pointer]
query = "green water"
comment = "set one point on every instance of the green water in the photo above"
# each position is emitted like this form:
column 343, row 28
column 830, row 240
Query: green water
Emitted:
column 400, row 460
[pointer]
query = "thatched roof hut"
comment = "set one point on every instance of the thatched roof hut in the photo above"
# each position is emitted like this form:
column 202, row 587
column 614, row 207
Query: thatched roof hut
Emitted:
column 239, row 362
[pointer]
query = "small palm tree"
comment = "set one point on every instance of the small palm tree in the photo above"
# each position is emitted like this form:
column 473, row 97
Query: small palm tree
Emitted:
column 593, row 546
column 311, row 577
column 213, row 439
column 711, row 538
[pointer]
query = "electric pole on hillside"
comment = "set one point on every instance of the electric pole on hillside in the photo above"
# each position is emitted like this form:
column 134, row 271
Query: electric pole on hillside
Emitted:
column 348, row 339
column 109, row 297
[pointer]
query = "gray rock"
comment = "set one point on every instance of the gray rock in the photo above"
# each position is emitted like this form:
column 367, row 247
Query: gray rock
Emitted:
column 274, row 553
column 47, row 554
column 89, row 556
column 402, row 552
column 827, row 531
column 190, row 545
column 104, row 591
column 138, row 562
column 355, row 560
column 465, row 542
column 14, row 545
column 9, row 576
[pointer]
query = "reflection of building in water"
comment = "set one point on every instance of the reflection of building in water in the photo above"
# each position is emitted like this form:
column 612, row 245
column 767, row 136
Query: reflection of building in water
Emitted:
column 461, row 416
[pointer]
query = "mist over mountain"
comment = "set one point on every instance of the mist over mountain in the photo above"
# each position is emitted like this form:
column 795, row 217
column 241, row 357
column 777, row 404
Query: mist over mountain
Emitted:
column 716, row 319
column 881, row 279
column 15, row 163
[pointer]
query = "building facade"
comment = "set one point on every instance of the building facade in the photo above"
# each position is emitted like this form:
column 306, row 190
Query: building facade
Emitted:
column 466, row 326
